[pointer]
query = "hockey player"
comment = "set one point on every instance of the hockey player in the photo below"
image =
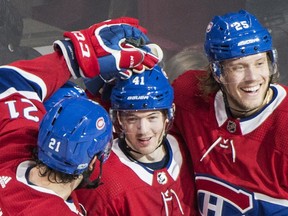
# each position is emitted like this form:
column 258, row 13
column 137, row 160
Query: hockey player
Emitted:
column 233, row 119
column 148, row 172
column 73, row 131
column 72, row 135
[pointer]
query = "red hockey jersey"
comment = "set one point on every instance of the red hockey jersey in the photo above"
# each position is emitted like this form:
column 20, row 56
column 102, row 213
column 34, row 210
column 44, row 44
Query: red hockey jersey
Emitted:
column 241, row 165
column 129, row 188
column 23, row 87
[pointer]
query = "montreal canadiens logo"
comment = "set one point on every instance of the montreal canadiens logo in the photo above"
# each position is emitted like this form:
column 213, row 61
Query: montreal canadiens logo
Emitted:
column 100, row 123
column 216, row 197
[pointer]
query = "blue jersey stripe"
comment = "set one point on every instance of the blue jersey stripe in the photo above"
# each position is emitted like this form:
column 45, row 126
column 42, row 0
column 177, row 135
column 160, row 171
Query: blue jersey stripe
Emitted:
column 21, row 81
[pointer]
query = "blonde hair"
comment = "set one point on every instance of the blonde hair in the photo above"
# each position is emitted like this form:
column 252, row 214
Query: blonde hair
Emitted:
column 209, row 85
column 190, row 58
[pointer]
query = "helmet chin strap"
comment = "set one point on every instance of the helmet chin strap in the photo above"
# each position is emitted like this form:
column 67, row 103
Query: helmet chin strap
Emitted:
column 241, row 112
column 87, row 183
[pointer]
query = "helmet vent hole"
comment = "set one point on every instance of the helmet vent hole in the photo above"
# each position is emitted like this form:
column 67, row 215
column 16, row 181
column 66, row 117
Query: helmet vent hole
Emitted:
column 53, row 122
column 60, row 110
column 160, row 97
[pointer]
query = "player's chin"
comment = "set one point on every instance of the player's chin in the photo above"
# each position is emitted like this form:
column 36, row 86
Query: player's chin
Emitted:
column 252, row 104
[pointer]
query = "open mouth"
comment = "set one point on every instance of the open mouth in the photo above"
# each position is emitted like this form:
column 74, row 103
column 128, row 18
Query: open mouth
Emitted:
column 252, row 89
column 144, row 141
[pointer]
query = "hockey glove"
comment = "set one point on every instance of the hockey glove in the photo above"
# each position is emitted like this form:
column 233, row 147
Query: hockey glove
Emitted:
column 110, row 49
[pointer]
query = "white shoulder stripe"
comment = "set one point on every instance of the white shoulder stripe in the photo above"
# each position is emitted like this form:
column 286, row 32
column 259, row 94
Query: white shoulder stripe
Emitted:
column 27, row 94
column 268, row 199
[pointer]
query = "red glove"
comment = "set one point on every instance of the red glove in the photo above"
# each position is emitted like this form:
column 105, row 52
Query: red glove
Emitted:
column 111, row 48
column 149, row 51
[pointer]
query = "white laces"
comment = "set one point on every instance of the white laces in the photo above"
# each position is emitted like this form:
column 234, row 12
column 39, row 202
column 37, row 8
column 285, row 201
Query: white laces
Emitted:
column 223, row 143
column 167, row 197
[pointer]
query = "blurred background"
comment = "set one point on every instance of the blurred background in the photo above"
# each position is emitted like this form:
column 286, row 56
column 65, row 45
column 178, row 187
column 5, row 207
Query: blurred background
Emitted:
column 29, row 27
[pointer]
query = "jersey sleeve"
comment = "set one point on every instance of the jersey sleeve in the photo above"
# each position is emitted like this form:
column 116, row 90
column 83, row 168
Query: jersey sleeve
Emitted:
column 46, row 73
column 23, row 87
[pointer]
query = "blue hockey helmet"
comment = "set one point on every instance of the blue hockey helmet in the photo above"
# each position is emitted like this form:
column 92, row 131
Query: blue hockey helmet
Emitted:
column 69, row 89
column 72, row 132
column 236, row 35
column 149, row 90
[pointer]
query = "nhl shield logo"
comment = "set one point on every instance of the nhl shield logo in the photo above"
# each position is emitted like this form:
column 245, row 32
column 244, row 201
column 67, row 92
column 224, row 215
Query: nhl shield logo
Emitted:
column 162, row 178
column 231, row 126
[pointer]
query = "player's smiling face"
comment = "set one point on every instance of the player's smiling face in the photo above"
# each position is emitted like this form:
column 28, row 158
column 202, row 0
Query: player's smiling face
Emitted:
column 246, row 81
column 143, row 130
